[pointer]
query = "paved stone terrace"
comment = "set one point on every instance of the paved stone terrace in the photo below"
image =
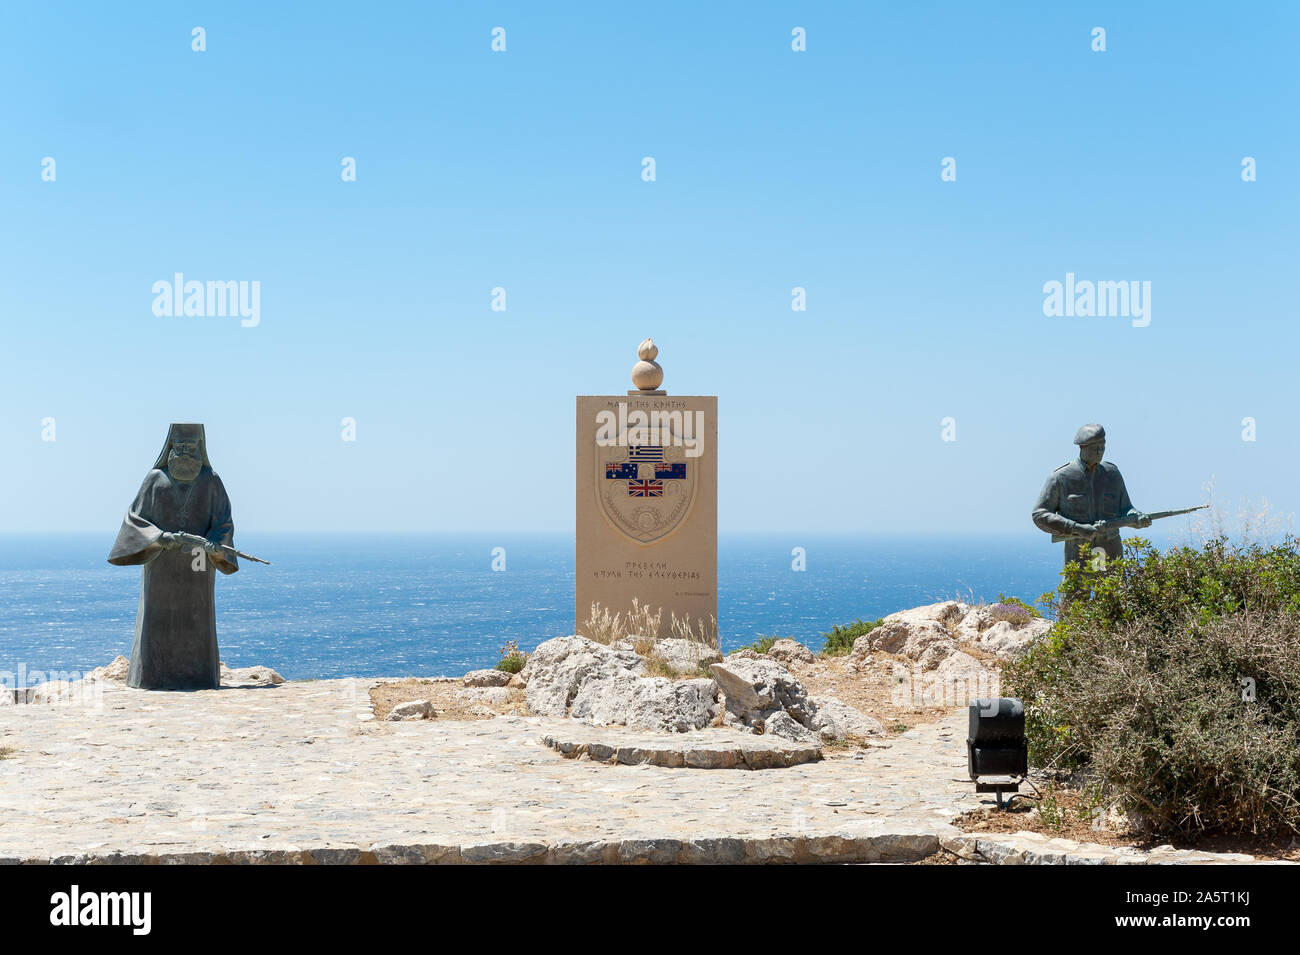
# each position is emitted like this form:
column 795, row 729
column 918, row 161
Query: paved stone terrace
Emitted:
column 302, row 773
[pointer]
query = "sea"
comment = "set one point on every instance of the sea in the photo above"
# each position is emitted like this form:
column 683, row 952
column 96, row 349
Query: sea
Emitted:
column 432, row 605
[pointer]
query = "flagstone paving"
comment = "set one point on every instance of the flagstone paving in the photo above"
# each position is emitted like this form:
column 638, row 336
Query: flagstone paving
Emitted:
column 302, row 772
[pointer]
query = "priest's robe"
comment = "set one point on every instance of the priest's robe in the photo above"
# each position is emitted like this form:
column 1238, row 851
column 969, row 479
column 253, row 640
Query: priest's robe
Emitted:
column 176, row 624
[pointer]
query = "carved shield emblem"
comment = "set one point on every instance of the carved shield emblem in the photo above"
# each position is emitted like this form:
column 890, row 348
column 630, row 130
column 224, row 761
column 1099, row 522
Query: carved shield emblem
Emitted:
column 646, row 491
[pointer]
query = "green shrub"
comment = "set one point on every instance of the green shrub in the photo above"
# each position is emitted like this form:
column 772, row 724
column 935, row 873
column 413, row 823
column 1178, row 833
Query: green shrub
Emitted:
column 512, row 658
column 1140, row 679
column 761, row 645
column 1166, row 588
column 839, row 640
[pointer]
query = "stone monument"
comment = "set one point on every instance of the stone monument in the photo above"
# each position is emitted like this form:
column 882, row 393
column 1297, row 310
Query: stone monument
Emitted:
column 647, row 502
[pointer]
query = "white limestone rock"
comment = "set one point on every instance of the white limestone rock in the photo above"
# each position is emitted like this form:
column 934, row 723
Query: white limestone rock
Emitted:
column 975, row 622
column 114, row 672
column 653, row 703
column 486, row 678
column 411, row 710
column 908, row 638
column 249, row 676
column 783, row 726
column 946, row 613
column 966, row 671
column 1009, row 641
column 559, row 668
column 833, row 720
column 585, row 680
column 935, row 653
column 685, row 656
column 754, row 686
column 790, row 651
column 487, row 695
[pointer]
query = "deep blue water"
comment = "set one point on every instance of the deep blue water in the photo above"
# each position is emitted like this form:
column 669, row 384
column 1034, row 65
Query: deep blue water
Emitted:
column 359, row 605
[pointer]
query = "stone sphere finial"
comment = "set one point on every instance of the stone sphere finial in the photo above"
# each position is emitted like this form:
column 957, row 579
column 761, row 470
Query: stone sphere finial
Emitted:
column 646, row 374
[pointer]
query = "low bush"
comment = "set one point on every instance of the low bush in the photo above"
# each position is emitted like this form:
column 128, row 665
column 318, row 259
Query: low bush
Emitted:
column 1175, row 678
column 761, row 645
column 512, row 658
column 839, row 640
column 1013, row 610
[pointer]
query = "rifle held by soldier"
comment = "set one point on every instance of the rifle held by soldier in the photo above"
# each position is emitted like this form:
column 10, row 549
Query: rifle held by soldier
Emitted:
column 1132, row 520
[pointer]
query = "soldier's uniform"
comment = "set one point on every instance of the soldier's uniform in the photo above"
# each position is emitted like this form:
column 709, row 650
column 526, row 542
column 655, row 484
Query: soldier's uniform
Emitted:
column 1073, row 495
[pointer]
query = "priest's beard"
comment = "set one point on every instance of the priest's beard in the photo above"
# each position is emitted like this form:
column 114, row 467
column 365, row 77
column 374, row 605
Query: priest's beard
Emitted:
column 183, row 467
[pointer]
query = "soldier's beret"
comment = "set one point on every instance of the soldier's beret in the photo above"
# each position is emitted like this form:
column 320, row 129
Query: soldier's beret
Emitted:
column 1089, row 433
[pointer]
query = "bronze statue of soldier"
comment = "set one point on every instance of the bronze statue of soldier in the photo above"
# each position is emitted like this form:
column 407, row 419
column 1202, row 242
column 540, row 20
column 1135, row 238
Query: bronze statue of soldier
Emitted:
column 1086, row 502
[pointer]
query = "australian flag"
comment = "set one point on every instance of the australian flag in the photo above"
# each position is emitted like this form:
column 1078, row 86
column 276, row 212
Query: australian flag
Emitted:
column 645, row 488
column 648, row 452
column 621, row 472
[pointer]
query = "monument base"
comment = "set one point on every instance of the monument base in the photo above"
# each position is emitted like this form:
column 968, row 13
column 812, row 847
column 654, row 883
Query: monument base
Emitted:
column 647, row 507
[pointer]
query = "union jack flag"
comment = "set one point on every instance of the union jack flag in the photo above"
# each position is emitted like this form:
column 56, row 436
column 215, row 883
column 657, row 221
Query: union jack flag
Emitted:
column 647, row 452
column 645, row 488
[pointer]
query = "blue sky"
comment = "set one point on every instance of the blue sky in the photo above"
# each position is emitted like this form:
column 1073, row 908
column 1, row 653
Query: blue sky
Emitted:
column 522, row 169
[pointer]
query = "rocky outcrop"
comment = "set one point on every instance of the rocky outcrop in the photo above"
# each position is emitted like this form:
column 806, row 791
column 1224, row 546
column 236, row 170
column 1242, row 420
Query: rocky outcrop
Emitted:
column 789, row 651
column 932, row 634
column 974, row 622
column 486, row 678
column 757, row 688
column 765, row 697
column 685, row 656
column 115, row 671
column 559, row 668
column 485, row 695
column 963, row 668
column 580, row 678
column 907, row 638
column 1008, row 640
column 249, row 676
column 783, row 726
column 653, row 703
column 833, row 720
